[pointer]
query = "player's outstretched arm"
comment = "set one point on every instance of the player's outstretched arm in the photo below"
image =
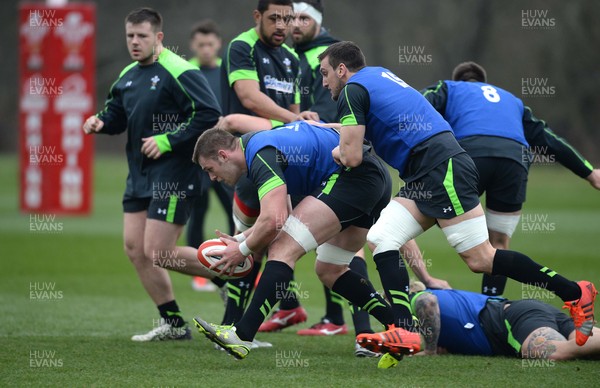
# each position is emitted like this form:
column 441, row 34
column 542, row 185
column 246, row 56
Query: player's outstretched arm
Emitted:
column 540, row 136
column 241, row 123
column 412, row 254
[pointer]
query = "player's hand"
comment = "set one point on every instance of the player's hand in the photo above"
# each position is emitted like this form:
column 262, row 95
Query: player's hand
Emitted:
column 150, row 148
column 223, row 124
column 594, row 178
column 92, row 125
column 221, row 235
column 308, row 115
column 438, row 284
column 337, row 156
column 231, row 257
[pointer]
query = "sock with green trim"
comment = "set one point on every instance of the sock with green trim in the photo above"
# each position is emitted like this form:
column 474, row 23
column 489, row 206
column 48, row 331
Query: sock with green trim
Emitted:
column 334, row 312
column 360, row 318
column 171, row 314
column 290, row 299
column 521, row 268
column 394, row 279
column 238, row 295
column 217, row 281
column 360, row 292
column 275, row 278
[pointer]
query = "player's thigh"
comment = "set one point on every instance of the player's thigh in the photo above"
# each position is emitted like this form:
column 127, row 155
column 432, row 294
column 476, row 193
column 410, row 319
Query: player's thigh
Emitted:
column 165, row 224
column 134, row 224
column 310, row 224
column 526, row 318
column 506, row 192
column 448, row 192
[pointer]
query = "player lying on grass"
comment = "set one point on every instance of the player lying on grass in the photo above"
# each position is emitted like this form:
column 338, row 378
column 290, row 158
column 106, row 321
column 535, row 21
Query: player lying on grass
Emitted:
column 163, row 103
column 441, row 188
column 463, row 322
column 338, row 207
column 499, row 132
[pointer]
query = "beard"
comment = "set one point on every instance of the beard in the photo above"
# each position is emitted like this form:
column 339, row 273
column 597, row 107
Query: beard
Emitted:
column 306, row 37
column 268, row 39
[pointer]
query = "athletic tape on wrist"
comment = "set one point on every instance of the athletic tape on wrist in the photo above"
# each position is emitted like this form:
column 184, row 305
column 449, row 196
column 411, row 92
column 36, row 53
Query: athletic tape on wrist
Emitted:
column 244, row 249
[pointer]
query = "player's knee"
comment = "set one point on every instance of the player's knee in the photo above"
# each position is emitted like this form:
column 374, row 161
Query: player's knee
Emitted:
column 467, row 234
column 395, row 227
column 328, row 272
column 478, row 263
column 133, row 250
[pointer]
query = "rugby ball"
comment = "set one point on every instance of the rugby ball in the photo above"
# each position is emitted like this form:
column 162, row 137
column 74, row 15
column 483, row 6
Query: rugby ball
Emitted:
column 216, row 246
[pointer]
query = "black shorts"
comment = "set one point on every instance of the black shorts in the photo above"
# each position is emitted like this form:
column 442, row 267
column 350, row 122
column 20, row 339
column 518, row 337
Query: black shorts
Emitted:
column 357, row 196
column 508, row 328
column 446, row 191
column 175, row 209
column 504, row 182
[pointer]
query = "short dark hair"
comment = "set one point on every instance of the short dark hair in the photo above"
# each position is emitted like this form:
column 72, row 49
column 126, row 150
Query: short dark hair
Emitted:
column 469, row 71
column 347, row 53
column 210, row 142
column 144, row 14
column 263, row 5
column 316, row 4
column 206, row 26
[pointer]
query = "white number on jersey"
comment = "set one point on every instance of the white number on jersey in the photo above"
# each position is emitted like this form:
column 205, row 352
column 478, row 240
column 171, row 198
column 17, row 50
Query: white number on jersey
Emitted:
column 490, row 93
column 394, row 78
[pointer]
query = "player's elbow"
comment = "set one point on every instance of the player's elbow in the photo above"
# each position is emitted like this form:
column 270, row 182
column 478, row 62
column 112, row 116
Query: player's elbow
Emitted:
column 352, row 160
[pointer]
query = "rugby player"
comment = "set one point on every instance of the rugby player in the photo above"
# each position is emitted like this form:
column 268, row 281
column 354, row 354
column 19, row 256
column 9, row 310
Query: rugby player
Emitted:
column 338, row 207
column 162, row 180
column 463, row 322
column 498, row 132
column 374, row 104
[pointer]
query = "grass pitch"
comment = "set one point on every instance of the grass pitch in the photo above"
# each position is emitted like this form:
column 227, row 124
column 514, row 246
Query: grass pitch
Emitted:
column 74, row 329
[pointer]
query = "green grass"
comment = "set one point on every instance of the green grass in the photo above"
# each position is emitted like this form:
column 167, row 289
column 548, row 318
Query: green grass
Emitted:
column 103, row 304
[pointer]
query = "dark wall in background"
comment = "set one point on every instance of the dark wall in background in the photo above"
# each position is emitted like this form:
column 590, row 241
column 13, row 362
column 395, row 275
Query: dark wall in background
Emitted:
column 490, row 32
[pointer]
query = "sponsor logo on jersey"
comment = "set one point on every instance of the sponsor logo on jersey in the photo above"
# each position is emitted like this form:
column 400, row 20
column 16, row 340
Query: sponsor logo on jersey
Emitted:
column 278, row 85
column 266, row 61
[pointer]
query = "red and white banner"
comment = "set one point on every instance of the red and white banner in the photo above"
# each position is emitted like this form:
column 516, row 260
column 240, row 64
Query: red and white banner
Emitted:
column 57, row 93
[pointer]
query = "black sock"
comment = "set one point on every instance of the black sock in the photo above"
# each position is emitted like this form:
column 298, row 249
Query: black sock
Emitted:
column 238, row 295
column 521, row 268
column 290, row 299
column 334, row 302
column 360, row 318
column 360, row 292
column 218, row 281
column 273, row 284
column 493, row 285
column 171, row 314
column 394, row 278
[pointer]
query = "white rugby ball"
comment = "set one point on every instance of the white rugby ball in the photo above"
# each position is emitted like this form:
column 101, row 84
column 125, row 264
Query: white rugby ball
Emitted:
column 216, row 246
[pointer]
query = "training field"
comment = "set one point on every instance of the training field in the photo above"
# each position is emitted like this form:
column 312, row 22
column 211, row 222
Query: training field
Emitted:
column 78, row 335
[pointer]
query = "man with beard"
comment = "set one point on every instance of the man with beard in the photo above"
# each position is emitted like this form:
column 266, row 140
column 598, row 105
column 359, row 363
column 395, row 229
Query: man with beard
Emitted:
column 259, row 77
